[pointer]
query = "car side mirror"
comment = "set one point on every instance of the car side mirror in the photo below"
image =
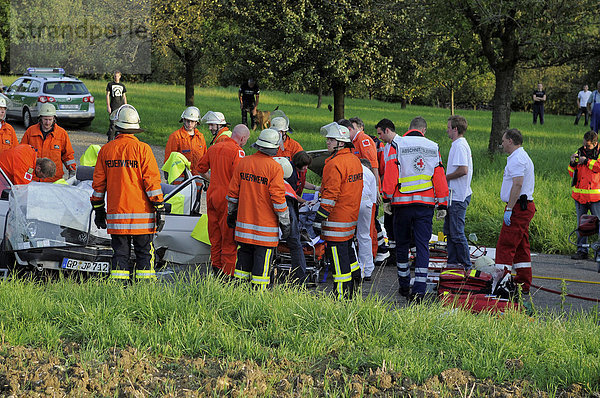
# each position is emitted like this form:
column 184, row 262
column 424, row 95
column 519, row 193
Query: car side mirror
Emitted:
column 168, row 208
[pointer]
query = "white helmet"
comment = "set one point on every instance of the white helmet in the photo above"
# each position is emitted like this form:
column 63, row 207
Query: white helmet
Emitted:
column 47, row 110
column 287, row 166
column 211, row 117
column 127, row 118
column 279, row 124
column 268, row 138
column 191, row 113
column 2, row 102
column 485, row 264
column 337, row 132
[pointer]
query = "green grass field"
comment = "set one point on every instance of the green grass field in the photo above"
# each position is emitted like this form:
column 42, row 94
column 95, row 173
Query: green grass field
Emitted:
column 549, row 146
column 202, row 317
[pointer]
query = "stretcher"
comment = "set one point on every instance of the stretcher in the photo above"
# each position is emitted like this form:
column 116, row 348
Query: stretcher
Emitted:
column 316, row 262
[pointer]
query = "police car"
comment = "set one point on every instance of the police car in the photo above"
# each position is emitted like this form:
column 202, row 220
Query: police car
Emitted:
column 70, row 97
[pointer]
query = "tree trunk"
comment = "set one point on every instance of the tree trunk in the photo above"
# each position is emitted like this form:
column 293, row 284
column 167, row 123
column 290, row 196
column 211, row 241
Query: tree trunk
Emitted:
column 339, row 92
column 403, row 104
column 452, row 101
column 190, row 64
column 501, row 104
column 320, row 96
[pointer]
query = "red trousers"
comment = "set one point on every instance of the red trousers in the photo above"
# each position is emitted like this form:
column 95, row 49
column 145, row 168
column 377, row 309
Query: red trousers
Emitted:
column 223, row 249
column 374, row 230
column 512, row 250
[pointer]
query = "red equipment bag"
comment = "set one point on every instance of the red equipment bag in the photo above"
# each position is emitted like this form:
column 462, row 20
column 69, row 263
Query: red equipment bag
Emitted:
column 457, row 280
column 588, row 225
column 478, row 302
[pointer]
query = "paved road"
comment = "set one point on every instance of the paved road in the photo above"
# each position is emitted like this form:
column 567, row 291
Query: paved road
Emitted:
column 385, row 283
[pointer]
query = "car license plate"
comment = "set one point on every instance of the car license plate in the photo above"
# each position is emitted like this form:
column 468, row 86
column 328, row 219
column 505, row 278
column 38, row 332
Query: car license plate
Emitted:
column 87, row 266
column 69, row 107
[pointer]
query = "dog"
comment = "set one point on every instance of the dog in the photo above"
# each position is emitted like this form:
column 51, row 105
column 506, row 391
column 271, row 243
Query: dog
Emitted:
column 263, row 119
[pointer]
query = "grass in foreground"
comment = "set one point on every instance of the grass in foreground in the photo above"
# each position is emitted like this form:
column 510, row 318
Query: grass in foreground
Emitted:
column 549, row 146
column 201, row 317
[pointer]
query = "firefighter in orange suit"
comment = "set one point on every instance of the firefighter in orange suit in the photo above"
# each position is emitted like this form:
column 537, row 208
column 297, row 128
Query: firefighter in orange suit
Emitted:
column 187, row 141
column 21, row 164
column 127, row 174
column 8, row 137
column 337, row 216
column 257, row 209
column 416, row 181
column 51, row 141
column 288, row 147
column 217, row 125
column 221, row 159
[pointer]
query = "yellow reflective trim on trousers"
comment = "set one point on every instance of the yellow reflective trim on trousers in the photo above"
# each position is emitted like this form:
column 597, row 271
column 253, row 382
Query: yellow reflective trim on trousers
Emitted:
column 588, row 191
column 418, row 187
column 354, row 266
column 267, row 264
column 152, row 256
column 145, row 274
column 336, row 266
column 242, row 274
column 342, row 277
column 119, row 274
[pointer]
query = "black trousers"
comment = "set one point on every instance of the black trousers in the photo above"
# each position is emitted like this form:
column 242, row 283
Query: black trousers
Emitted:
column 582, row 110
column 144, row 256
column 254, row 264
column 538, row 110
column 247, row 108
column 346, row 271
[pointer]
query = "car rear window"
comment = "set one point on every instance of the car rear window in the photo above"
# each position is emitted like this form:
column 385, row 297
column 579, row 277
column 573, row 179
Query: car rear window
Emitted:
column 65, row 88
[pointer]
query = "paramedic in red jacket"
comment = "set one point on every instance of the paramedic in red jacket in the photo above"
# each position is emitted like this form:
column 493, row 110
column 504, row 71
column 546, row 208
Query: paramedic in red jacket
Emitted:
column 417, row 185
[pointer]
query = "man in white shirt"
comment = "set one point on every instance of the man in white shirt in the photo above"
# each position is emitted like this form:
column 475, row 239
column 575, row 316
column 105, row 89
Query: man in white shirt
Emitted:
column 459, row 175
column 518, row 183
column 582, row 100
column 365, row 218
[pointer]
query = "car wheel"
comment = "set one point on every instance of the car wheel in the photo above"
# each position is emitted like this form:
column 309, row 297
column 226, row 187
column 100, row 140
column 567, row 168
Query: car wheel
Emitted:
column 26, row 118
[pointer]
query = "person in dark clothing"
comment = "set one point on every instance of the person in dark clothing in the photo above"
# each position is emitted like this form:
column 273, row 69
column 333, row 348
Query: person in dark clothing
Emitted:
column 248, row 96
column 539, row 97
column 115, row 97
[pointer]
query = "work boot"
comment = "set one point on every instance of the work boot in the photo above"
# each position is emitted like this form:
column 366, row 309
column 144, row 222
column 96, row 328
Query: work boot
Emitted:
column 381, row 258
column 404, row 291
column 579, row 256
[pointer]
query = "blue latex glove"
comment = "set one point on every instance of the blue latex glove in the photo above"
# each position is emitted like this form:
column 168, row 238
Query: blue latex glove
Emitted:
column 507, row 215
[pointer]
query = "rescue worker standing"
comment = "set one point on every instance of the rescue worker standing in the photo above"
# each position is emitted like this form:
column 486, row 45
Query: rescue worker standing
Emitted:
column 518, row 183
column 419, row 186
column 187, row 141
column 222, row 159
column 21, row 164
column 584, row 170
column 51, row 141
column 217, row 125
column 258, row 179
column 337, row 216
column 127, row 174
column 288, row 147
column 8, row 137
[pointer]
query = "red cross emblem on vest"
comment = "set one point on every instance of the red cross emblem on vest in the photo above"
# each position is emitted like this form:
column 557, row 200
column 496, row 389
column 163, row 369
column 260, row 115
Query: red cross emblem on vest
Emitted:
column 419, row 163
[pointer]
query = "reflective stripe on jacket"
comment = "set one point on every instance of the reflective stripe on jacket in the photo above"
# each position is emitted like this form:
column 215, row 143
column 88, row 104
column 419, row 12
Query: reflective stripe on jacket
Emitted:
column 127, row 175
column 341, row 191
column 587, row 185
column 258, row 189
column 193, row 147
column 57, row 147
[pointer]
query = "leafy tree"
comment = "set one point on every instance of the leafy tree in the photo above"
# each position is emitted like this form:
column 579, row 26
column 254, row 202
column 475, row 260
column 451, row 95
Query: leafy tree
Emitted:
column 518, row 33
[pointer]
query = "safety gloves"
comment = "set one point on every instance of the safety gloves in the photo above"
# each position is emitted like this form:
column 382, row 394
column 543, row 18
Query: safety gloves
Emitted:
column 284, row 224
column 100, row 214
column 441, row 212
column 231, row 214
column 160, row 214
column 507, row 215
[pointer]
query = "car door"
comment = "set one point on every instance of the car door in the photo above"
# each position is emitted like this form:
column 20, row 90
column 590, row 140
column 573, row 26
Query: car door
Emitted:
column 13, row 109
